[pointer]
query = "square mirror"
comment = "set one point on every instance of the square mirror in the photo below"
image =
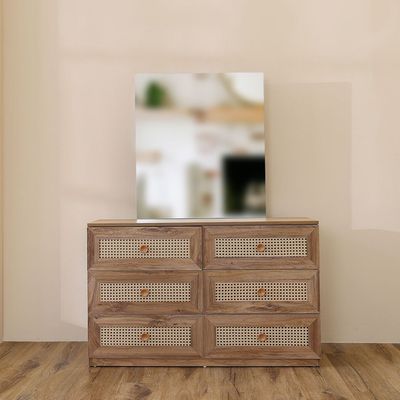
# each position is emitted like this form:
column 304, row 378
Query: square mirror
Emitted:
column 200, row 145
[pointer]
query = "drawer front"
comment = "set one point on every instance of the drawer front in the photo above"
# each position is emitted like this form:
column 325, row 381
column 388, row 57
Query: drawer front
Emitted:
column 261, row 291
column 146, row 247
column 260, row 247
column 138, row 337
column 144, row 292
column 262, row 336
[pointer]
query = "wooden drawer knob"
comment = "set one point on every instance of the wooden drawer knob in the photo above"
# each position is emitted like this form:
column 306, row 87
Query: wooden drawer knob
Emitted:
column 145, row 336
column 261, row 292
column 261, row 247
column 144, row 248
column 262, row 337
column 144, row 292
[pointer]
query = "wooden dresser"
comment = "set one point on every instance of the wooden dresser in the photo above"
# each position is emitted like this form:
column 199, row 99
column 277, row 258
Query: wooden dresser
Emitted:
column 204, row 292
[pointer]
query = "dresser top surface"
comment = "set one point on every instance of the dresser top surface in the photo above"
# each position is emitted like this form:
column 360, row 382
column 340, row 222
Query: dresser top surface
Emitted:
column 203, row 221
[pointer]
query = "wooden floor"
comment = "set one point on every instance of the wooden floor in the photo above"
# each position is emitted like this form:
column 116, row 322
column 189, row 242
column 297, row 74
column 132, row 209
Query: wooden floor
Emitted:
column 59, row 371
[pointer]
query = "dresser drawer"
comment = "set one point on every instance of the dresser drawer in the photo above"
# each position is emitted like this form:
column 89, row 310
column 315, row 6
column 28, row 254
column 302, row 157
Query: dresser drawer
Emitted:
column 138, row 336
column 145, row 247
column 126, row 293
column 261, row 247
column 262, row 336
column 261, row 291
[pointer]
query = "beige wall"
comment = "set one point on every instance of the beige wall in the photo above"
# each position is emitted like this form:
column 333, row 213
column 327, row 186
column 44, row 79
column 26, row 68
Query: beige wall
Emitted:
column 333, row 89
column 1, row 170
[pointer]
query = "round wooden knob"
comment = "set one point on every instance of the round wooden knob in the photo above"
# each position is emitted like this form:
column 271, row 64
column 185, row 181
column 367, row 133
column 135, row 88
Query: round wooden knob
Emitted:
column 145, row 336
column 144, row 292
column 261, row 337
column 260, row 247
column 144, row 248
column 261, row 292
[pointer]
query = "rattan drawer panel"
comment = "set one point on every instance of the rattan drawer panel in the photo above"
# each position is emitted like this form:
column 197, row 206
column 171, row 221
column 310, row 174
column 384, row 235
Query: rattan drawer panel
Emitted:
column 138, row 336
column 256, row 302
column 261, row 291
column 145, row 247
column 244, row 247
column 256, row 336
column 141, row 336
column 260, row 247
column 261, row 336
column 145, row 292
column 122, row 249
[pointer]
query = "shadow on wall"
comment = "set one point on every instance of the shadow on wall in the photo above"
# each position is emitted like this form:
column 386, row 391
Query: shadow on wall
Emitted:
column 310, row 164
column 78, row 83
column 310, row 173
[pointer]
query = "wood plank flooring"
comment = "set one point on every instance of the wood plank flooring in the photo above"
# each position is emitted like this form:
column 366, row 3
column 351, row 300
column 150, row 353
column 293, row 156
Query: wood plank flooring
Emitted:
column 60, row 371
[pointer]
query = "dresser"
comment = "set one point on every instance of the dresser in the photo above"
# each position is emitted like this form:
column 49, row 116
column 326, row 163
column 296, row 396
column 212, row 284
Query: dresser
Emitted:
column 241, row 292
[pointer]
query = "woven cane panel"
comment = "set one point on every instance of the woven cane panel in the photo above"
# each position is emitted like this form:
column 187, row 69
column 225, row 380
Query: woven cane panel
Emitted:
column 249, row 291
column 123, row 336
column 157, row 248
column 156, row 292
column 288, row 336
column 293, row 246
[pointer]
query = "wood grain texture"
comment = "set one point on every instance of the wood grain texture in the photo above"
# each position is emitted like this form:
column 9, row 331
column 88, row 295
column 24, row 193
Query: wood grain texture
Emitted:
column 312, row 351
column 311, row 261
column 202, row 320
column 311, row 305
column 203, row 221
column 203, row 347
column 59, row 371
column 194, row 350
column 202, row 362
column 97, row 307
column 95, row 234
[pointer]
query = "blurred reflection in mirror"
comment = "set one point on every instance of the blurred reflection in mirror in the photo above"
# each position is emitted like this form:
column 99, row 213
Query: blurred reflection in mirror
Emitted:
column 200, row 145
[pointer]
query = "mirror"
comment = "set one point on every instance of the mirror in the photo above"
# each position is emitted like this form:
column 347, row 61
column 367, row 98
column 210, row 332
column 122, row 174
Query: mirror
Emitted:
column 200, row 145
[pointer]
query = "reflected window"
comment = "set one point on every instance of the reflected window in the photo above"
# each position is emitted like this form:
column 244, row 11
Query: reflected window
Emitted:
column 200, row 145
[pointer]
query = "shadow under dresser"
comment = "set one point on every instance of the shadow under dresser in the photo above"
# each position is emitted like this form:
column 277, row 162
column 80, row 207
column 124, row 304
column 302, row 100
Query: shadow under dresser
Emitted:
column 241, row 292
